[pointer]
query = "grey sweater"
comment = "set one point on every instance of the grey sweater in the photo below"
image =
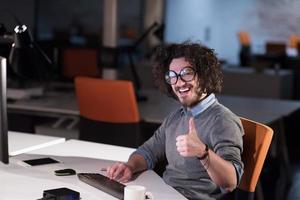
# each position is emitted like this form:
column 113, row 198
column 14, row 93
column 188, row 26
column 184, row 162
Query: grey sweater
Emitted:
column 217, row 127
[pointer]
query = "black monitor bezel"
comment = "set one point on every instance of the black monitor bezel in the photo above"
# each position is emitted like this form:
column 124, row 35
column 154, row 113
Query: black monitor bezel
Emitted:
column 4, row 155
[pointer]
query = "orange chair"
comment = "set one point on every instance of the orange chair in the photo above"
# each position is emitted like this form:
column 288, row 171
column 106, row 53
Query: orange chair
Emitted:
column 244, row 38
column 294, row 41
column 80, row 62
column 245, row 54
column 257, row 140
column 108, row 111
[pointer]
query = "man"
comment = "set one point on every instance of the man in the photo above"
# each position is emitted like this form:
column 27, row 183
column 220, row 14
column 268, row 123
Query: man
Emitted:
column 202, row 140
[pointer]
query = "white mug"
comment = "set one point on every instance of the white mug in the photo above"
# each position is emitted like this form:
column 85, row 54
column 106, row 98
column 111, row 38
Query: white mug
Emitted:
column 136, row 192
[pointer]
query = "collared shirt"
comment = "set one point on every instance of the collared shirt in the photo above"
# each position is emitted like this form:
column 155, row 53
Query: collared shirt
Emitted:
column 217, row 127
column 201, row 106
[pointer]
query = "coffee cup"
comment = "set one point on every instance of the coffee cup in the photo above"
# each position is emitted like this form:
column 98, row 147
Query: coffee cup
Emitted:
column 136, row 192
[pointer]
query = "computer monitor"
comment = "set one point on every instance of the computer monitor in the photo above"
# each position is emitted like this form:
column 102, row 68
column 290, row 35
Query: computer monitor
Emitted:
column 4, row 156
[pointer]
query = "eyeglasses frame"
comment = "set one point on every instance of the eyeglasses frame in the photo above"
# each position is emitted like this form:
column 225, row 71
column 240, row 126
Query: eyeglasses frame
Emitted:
column 180, row 75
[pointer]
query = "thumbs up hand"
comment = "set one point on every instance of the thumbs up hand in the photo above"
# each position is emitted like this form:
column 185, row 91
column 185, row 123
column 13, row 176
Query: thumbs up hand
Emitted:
column 190, row 144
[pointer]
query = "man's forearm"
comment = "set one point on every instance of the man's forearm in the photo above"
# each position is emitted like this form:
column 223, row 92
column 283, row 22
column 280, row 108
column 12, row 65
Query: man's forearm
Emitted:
column 137, row 163
column 222, row 172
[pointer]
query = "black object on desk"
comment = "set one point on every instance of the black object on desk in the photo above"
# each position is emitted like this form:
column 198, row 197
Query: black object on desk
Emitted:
column 65, row 172
column 61, row 194
column 41, row 161
column 103, row 183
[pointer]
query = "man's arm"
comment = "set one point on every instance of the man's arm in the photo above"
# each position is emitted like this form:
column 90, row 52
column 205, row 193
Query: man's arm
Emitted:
column 144, row 158
column 222, row 172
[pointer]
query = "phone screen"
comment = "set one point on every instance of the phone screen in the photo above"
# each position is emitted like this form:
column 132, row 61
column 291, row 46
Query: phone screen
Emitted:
column 40, row 161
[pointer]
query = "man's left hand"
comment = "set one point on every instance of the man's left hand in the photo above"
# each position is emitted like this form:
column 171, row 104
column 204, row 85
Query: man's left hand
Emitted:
column 190, row 144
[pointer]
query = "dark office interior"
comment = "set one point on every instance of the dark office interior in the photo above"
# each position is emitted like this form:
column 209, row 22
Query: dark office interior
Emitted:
column 257, row 42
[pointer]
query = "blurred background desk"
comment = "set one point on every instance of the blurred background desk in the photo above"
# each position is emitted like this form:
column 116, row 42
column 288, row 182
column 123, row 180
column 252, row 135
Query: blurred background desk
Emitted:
column 55, row 112
column 267, row 83
column 262, row 110
column 158, row 106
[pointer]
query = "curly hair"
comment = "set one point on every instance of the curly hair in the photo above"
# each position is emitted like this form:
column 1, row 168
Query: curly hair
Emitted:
column 200, row 57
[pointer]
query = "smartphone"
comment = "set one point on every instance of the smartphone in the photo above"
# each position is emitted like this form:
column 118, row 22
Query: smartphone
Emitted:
column 41, row 161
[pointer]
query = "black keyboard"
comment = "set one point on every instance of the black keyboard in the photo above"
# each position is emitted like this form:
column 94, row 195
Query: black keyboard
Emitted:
column 103, row 183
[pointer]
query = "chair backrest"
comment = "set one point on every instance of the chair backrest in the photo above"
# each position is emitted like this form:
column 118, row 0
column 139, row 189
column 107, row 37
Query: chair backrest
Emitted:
column 80, row 62
column 257, row 140
column 244, row 38
column 108, row 112
column 107, row 100
column 293, row 41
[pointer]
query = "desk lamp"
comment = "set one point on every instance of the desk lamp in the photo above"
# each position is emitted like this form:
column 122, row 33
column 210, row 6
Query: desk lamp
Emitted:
column 27, row 60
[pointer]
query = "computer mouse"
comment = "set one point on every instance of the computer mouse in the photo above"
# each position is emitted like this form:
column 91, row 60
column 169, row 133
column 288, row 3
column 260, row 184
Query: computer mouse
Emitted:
column 65, row 172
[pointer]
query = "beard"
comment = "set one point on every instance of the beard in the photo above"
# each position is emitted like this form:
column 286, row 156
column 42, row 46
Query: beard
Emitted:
column 191, row 95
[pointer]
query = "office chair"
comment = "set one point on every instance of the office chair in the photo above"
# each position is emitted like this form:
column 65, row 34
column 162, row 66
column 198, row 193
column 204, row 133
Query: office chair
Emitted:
column 245, row 54
column 244, row 38
column 257, row 140
column 80, row 62
column 108, row 111
column 293, row 41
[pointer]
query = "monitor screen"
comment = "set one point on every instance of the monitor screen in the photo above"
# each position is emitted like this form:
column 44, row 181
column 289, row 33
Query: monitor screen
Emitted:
column 3, row 113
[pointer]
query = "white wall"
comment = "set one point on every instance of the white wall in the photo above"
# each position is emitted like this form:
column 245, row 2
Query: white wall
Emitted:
column 186, row 19
column 216, row 22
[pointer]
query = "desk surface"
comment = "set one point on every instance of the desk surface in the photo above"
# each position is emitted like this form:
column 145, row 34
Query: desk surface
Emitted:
column 159, row 106
column 55, row 103
column 87, row 149
column 251, row 70
column 19, row 143
column 29, row 182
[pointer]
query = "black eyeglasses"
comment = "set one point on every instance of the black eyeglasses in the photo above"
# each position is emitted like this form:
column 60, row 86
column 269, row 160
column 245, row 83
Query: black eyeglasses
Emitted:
column 186, row 74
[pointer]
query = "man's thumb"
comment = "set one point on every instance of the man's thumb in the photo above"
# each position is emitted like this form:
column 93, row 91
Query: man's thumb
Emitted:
column 192, row 128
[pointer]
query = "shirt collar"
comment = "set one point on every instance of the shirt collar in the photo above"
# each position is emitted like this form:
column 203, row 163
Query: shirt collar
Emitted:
column 201, row 106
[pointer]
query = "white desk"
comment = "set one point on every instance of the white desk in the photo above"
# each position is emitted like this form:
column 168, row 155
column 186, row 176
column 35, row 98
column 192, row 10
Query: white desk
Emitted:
column 19, row 143
column 79, row 148
column 27, row 183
